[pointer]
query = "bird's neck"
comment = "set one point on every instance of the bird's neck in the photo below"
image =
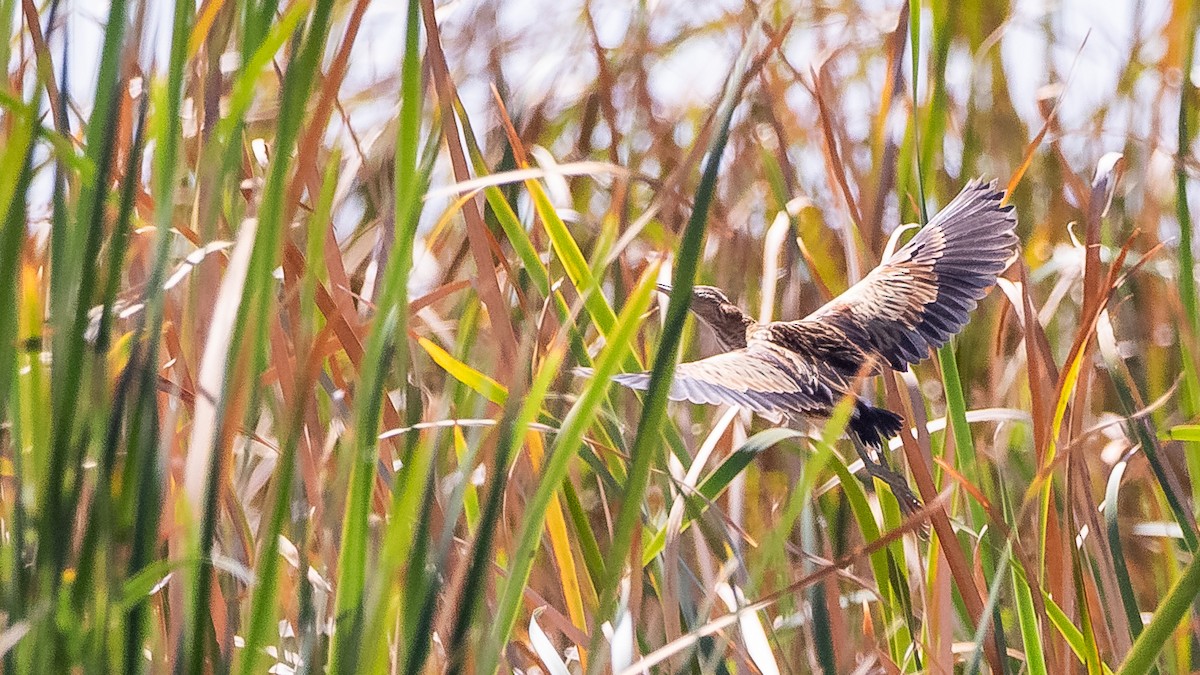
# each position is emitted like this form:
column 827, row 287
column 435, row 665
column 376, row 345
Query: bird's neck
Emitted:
column 733, row 328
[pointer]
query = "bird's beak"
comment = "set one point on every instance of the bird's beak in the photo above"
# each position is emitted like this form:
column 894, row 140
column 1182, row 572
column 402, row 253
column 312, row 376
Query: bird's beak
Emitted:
column 664, row 288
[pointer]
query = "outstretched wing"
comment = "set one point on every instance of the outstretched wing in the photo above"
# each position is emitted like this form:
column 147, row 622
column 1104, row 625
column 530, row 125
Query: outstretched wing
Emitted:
column 757, row 378
column 921, row 295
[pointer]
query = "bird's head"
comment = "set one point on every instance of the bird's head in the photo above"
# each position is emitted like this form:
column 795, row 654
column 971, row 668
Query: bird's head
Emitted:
column 726, row 319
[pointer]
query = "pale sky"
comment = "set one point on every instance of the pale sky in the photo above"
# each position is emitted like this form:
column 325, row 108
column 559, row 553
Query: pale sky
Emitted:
column 562, row 66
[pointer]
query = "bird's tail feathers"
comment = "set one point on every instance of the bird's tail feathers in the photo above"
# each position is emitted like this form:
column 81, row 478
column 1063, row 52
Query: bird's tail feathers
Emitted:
column 873, row 426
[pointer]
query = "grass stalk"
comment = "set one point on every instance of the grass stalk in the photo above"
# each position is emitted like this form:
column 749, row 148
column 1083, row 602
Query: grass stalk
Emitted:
column 255, row 302
column 654, row 405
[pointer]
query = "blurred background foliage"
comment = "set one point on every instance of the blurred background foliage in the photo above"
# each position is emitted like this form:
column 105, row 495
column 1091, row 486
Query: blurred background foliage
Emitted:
column 293, row 293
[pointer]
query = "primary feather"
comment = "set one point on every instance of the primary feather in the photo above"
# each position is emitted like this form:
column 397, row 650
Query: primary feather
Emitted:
column 922, row 294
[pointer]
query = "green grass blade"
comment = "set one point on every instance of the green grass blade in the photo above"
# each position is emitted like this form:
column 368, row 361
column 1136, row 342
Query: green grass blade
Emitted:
column 914, row 36
column 1167, row 617
column 572, row 259
column 69, row 311
column 1069, row 631
column 512, row 431
column 15, row 175
column 1128, row 598
column 14, row 184
column 566, row 444
column 262, row 605
column 981, row 630
column 956, row 406
column 1187, row 282
column 99, row 140
column 720, row 478
column 253, row 312
column 118, row 246
column 386, row 345
column 654, row 405
column 1027, row 616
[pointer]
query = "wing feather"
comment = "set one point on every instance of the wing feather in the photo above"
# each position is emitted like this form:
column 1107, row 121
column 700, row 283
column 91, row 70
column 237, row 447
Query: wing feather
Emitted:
column 757, row 378
column 922, row 295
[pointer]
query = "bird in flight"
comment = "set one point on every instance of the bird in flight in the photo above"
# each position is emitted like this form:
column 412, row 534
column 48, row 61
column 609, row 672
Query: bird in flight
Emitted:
column 914, row 301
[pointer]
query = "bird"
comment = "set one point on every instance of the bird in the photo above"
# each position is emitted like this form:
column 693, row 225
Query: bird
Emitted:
column 914, row 301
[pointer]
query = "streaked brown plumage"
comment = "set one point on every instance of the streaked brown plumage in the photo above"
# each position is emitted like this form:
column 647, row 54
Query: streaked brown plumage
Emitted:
column 914, row 301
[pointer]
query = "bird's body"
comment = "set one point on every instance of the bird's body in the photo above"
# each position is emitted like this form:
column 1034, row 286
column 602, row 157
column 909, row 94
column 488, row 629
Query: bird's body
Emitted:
column 915, row 300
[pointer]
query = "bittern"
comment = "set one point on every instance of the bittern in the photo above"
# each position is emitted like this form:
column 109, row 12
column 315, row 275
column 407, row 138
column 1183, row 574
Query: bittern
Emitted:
column 914, row 301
